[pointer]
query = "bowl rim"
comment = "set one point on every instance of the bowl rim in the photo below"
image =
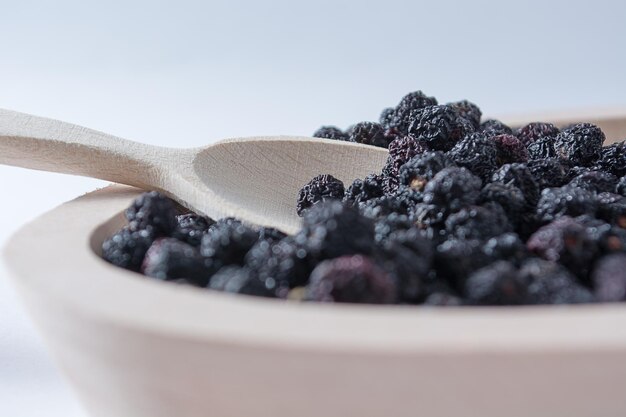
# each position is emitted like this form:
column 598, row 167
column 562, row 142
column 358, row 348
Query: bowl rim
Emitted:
column 38, row 254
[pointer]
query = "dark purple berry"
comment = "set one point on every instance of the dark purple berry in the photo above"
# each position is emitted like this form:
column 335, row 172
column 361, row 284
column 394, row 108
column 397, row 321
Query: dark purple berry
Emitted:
column 351, row 279
column 422, row 168
column 191, row 227
column 541, row 149
column 509, row 149
column 366, row 189
column 518, row 175
column 477, row 222
column 170, row 259
column 494, row 127
column 549, row 172
column 452, row 188
column 476, row 153
column 609, row 278
column 439, row 128
column 551, row 283
column 369, row 133
column 468, row 110
column 508, row 196
column 496, row 284
column 613, row 159
column 127, row 249
column 331, row 132
column 580, row 144
column 409, row 103
column 332, row 229
column 595, row 181
column 565, row 201
column 228, row 241
column 321, row 188
column 152, row 211
column 534, row 131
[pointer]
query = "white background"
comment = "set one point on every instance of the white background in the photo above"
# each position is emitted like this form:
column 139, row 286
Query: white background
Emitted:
column 188, row 73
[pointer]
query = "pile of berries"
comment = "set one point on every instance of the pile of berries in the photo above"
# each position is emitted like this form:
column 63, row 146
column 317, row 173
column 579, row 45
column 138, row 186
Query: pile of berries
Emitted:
column 465, row 212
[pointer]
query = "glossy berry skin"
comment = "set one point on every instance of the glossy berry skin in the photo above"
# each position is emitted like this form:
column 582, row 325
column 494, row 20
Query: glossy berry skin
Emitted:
column 369, row 133
column 496, row 284
column 580, row 144
column 331, row 132
column 170, row 259
column 509, row 149
column 551, row 283
column 609, row 278
column 152, row 211
column 420, row 169
column 492, row 127
column 452, row 189
column 191, row 227
column 438, row 127
column 566, row 241
column 532, row 132
column 127, row 249
column 468, row 110
column 321, row 188
column 613, row 159
column 565, row 201
column 332, row 229
column 477, row 153
column 228, row 241
column 351, row 279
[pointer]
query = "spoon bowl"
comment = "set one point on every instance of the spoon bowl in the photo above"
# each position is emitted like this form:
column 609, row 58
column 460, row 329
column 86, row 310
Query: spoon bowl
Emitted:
column 254, row 179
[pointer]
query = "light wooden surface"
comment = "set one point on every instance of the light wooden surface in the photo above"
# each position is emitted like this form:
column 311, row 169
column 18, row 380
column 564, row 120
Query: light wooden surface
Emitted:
column 254, row 179
column 141, row 348
column 137, row 347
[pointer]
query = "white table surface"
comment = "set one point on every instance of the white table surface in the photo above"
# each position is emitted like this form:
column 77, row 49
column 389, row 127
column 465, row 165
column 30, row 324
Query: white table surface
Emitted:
column 190, row 73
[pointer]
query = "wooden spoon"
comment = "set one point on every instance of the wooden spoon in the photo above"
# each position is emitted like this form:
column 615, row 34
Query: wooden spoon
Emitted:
column 255, row 179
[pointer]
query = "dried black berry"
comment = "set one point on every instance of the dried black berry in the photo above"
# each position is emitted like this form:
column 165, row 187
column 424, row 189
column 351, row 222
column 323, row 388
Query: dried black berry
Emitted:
column 321, row 188
column 409, row 103
column 507, row 246
column 369, row 133
column 509, row 149
column 191, row 227
column 351, row 279
column 476, row 153
column 126, row 248
column 228, row 241
column 549, row 172
column 566, row 241
column 477, row 222
column 422, row 168
column 557, row 202
column 534, row 131
column 452, row 188
column 468, row 110
column 170, row 259
column 609, row 278
column 620, row 188
column 439, row 128
column 612, row 209
column 550, row 283
column 456, row 259
column 508, row 196
column 496, row 284
column 401, row 150
column 280, row 265
column 271, row 234
column 580, row 144
column 331, row 132
column 519, row 176
column 332, row 229
column 494, row 127
column 152, row 211
column 542, row 148
column 386, row 225
column 595, row 181
column 366, row 189
column 613, row 159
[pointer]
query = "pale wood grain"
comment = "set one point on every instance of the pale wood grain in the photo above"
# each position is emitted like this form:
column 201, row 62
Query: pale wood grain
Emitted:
column 137, row 347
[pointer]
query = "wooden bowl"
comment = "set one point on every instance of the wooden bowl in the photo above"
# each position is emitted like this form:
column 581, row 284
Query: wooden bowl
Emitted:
column 138, row 347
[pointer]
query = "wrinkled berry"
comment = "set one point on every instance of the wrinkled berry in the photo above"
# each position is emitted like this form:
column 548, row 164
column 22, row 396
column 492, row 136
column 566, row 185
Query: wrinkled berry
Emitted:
column 127, row 249
column 534, row 131
column 152, row 211
column 321, row 188
column 580, row 144
column 438, row 127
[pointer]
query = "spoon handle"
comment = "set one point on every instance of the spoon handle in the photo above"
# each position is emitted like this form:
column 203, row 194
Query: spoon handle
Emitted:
column 50, row 145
